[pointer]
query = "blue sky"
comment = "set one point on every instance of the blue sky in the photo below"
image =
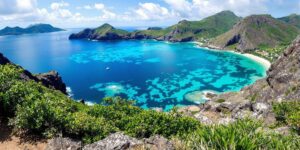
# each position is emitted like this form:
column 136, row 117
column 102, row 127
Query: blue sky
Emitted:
column 92, row 13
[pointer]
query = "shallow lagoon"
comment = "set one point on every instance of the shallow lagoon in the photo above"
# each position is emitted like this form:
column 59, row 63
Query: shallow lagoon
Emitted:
column 155, row 74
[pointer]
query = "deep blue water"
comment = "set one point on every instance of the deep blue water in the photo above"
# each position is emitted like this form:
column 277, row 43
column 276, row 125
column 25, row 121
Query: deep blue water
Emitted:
column 155, row 74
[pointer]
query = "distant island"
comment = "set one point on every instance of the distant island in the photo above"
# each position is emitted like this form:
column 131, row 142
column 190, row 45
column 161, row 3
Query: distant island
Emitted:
column 37, row 28
column 261, row 35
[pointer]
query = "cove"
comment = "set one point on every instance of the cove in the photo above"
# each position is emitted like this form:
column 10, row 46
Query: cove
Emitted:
column 154, row 73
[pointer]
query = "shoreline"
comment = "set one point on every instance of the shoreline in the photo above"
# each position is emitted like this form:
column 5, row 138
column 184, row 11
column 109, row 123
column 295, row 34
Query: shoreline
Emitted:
column 264, row 62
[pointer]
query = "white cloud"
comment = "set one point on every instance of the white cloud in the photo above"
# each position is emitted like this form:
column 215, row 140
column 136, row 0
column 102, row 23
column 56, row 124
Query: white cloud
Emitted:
column 9, row 7
column 151, row 11
column 99, row 6
column 197, row 9
column 88, row 7
column 59, row 5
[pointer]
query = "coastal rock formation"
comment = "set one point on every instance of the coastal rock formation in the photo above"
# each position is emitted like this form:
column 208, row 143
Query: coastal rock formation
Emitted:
column 50, row 80
column 3, row 60
column 255, row 101
column 256, row 32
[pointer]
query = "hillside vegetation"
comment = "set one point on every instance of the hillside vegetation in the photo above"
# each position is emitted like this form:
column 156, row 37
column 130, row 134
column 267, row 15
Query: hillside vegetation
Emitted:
column 292, row 19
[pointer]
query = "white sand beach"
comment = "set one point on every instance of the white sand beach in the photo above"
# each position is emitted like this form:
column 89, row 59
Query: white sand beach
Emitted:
column 264, row 62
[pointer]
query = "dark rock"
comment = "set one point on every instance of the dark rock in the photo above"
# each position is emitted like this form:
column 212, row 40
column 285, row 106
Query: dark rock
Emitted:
column 3, row 60
column 59, row 143
column 53, row 80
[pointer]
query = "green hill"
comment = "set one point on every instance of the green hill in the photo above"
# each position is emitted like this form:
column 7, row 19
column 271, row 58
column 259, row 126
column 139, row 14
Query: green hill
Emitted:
column 104, row 32
column 193, row 30
column 181, row 32
column 257, row 32
column 292, row 19
column 37, row 28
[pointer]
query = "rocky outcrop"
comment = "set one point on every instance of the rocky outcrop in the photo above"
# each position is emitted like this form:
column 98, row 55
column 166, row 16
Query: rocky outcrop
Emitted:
column 117, row 141
column 3, row 60
column 51, row 79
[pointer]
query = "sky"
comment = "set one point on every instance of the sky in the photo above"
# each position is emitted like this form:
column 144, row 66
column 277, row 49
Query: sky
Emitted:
column 130, row 13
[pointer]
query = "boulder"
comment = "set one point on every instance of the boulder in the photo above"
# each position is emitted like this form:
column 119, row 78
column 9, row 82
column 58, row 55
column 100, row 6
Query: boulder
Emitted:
column 60, row 143
column 203, row 119
column 116, row 141
column 158, row 143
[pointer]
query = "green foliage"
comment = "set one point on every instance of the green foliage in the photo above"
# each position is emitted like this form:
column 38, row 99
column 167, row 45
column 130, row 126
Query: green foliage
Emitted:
column 243, row 134
column 288, row 113
column 221, row 100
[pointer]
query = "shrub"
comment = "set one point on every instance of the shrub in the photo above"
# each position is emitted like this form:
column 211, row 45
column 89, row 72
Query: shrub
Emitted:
column 288, row 113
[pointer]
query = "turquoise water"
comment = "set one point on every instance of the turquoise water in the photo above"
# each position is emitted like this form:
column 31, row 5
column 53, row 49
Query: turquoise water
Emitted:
column 155, row 74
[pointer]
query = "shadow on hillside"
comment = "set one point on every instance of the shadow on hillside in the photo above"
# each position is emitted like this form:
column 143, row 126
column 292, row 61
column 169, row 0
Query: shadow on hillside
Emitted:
column 5, row 131
column 7, row 134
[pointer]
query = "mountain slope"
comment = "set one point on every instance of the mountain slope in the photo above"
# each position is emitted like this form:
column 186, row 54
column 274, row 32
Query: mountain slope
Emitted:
column 257, row 32
column 292, row 19
column 181, row 32
column 193, row 30
column 104, row 32
column 38, row 28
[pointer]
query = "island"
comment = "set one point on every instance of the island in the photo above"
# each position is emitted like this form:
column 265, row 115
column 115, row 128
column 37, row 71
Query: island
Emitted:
column 37, row 28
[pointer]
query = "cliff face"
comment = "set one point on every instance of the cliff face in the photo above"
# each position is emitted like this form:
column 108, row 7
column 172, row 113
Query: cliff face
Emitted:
column 51, row 79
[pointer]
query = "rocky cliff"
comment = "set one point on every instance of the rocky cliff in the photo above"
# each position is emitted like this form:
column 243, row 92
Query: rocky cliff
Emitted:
column 51, row 79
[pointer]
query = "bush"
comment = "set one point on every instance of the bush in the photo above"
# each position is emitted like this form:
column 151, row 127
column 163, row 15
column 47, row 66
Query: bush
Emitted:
column 288, row 113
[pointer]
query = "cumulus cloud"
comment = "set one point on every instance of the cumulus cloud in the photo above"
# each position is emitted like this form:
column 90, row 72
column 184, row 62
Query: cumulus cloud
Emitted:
column 58, row 5
column 10, row 7
column 152, row 11
column 203, row 8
